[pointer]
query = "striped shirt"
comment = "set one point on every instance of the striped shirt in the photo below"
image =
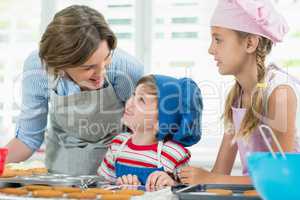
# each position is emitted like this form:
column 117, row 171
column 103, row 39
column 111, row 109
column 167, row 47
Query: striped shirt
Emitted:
column 173, row 156
column 123, row 73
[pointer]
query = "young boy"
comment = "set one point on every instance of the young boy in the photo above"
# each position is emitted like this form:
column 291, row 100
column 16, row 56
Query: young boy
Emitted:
column 164, row 116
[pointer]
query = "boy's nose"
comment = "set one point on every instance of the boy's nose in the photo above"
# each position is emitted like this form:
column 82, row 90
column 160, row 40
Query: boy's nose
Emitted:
column 128, row 103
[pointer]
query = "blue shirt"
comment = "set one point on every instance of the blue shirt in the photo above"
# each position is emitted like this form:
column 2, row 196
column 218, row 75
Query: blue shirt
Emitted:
column 123, row 73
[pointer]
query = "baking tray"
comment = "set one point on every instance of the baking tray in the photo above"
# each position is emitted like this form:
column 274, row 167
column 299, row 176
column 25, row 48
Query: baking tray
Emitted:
column 53, row 179
column 30, row 197
column 185, row 192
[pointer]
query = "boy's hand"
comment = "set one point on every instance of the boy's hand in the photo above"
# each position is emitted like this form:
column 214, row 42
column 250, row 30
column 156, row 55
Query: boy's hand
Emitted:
column 128, row 180
column 159, row 179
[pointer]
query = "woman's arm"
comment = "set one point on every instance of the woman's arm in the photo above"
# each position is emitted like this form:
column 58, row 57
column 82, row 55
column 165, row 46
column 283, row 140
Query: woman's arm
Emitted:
column 17, row 151
column 32, row 120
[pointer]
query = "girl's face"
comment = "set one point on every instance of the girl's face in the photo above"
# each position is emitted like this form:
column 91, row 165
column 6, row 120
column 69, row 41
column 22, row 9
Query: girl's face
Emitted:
column 141, row 113
column 228, row 50
column 90, row 75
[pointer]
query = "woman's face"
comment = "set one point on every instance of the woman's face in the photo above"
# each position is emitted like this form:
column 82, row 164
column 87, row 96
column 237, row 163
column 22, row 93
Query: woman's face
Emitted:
column 90, row 75
column 141, row 113
column 228, row 50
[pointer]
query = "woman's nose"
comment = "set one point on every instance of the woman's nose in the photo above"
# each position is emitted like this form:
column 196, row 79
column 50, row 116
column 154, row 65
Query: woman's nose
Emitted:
column 100, row 70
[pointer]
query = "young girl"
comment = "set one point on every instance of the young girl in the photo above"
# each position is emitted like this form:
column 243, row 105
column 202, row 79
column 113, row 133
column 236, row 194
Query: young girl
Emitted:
column 163, row 115
column 243, row 32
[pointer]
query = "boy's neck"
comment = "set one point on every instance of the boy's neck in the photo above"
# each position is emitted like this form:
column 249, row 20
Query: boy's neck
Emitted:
column 143, row 138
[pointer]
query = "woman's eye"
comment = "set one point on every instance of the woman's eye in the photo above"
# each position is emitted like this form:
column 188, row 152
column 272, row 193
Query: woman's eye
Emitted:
column 86, row 68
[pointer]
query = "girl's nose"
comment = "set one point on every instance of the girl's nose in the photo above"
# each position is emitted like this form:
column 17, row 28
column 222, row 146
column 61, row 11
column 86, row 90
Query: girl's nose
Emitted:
column 210, row 49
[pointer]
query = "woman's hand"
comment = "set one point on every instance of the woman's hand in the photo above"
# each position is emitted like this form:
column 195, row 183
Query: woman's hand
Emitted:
column 128, row 180
column 159, row 179
column 195, row 175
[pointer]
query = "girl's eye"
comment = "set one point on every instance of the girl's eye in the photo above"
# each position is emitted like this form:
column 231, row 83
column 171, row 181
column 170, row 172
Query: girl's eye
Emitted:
column 217, row 40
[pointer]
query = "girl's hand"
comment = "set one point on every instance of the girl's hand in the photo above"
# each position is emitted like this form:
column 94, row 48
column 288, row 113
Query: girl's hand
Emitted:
column 195, row 175
column 159, row 179
column 128, row 180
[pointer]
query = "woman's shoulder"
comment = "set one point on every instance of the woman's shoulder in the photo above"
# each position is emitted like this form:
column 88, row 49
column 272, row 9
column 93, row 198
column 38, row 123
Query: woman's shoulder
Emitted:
column 33, row 62
column 121, row 56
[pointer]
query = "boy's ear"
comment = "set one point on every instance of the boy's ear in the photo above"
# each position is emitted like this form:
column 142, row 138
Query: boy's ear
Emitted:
column 252, row 42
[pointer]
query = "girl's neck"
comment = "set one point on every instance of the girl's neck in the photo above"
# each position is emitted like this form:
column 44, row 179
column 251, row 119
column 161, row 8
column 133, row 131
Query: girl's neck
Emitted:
column 247, row 77
column 144, row 138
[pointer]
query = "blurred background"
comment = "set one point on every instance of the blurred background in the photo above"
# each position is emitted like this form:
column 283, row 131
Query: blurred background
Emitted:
column 169, row 37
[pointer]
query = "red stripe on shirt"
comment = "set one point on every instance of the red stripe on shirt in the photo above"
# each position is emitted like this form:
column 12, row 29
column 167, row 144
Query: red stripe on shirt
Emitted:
column 132, row 146
column 108, row 164
column 141, row 154
column 169, row 157
column 135, row 162
column 175, row 151
column 107, row 174
column 116, row 141
column 182, row 162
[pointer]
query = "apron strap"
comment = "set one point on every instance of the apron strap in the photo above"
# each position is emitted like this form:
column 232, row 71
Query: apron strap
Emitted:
column 159, row 150
column 54, row 82
column 121, row 149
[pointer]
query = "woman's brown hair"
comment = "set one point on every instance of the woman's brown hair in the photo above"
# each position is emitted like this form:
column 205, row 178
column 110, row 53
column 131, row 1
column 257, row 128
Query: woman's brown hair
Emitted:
column 251, row 120
column 73, row 36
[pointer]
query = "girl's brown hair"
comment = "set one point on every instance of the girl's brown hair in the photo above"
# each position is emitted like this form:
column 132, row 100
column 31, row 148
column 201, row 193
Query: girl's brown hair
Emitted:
column 251, row 119
column 73, row 36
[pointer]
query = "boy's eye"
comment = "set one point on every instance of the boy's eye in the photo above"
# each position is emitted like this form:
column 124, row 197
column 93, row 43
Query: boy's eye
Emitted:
column 141, row 99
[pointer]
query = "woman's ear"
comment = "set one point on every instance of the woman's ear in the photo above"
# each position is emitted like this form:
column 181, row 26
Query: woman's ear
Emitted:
column 61, row 72
column 252, row 42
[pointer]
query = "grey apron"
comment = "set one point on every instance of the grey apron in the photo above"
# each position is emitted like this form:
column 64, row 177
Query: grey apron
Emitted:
column 81, row 127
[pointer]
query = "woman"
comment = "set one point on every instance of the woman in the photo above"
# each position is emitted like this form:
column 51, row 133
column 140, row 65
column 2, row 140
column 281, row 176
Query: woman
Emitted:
column 85, row 81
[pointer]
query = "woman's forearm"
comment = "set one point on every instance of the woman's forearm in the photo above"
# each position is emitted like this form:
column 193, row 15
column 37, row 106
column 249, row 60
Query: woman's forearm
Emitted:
column 17, row 151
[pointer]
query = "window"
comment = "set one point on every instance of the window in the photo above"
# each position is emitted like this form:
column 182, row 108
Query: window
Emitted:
column 19, row 35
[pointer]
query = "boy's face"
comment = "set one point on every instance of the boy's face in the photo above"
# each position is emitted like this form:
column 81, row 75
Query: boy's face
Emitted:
column 141, row 114
column 90, row 75
column 228, row 50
